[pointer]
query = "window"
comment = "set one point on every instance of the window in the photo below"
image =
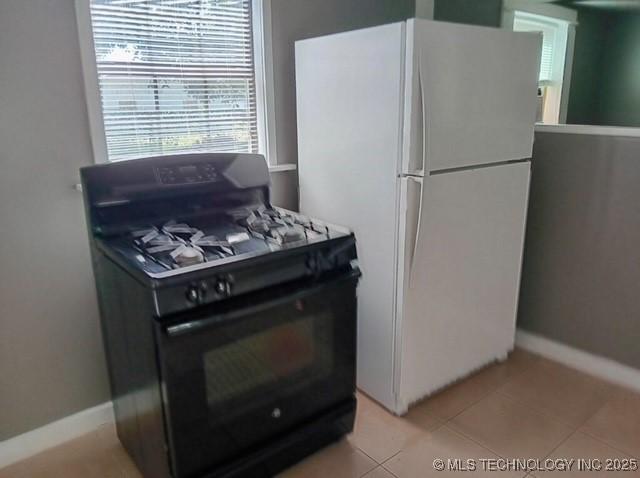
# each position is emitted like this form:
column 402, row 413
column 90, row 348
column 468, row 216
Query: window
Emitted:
column 177, row 76
column 552, row 61
column 524, row 22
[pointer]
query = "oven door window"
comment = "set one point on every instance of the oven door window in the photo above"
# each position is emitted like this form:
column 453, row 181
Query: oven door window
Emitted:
column 291, row 355
column 255, row 369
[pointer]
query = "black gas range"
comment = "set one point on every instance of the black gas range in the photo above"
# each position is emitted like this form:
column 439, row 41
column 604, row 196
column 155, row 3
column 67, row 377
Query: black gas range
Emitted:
column 229, row 324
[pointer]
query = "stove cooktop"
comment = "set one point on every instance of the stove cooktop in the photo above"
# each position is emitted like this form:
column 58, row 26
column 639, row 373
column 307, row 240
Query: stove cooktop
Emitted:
column 175, row 247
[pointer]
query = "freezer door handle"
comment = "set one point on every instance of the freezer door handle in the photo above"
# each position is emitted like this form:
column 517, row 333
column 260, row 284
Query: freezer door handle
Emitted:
column 423, row 130
column 417, row 124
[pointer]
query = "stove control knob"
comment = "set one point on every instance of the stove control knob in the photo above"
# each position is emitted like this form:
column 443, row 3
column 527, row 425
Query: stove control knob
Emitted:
column 204, row 288
column 222, row 287
column 193, row 295
column 312, row 264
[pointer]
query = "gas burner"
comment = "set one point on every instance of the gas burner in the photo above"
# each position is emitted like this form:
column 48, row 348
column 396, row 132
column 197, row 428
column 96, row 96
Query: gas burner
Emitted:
column 175, row 245
column 272, row 226
column 187, row 256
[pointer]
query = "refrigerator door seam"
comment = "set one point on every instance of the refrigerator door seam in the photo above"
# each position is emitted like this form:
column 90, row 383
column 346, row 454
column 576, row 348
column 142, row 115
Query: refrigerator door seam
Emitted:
column 477, row 166
column 397, row 304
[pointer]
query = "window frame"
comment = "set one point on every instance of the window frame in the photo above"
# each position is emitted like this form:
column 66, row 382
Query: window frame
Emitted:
column 263, row 71
column 557, row 13
column 555, row 83
column 556, row 29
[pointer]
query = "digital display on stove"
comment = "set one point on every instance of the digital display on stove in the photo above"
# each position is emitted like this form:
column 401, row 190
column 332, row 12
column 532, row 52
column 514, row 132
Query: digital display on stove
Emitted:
column 187, row 174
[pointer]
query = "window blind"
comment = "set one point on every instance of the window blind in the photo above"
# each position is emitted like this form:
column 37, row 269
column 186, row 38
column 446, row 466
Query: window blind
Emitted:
column 532, row 23
column 175, row 76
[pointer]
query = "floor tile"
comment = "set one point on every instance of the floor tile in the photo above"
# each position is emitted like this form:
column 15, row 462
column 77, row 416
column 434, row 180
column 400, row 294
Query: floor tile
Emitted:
column 90, row 456
column 525, row 407
column 583, row 447
column 456, row 398
column 563, row 392
column 510, row 429
column 417, row 460
column 420, row 417
column 618, row 422
column 379, row 433
column 341, row 460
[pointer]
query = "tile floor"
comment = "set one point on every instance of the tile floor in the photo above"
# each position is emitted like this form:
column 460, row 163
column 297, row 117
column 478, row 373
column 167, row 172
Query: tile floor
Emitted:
column 525, row 407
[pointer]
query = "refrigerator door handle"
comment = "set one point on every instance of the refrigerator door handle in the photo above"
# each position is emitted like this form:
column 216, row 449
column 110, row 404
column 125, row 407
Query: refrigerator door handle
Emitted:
column 418, row 221
column 423, row 116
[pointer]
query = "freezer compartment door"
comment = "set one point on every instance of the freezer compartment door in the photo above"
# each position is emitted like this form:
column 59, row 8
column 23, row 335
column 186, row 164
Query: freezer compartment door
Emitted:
column 463, row 277
column 471, row 95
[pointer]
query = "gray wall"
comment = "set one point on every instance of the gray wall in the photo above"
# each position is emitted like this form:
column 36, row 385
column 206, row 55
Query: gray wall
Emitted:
column 475, row 12
column 51, row 357
column 605, row 82
column 620, row 74
column 581, row 271
column 585, row 91
column 294, row 20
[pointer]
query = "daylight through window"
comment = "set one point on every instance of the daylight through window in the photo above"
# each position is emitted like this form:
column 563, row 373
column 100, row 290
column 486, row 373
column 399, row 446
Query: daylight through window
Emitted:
column 175, row 76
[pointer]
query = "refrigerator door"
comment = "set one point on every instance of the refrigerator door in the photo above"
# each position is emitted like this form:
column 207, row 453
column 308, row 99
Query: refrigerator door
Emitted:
column 349, row 100
column 471, row 95
column 462, row 278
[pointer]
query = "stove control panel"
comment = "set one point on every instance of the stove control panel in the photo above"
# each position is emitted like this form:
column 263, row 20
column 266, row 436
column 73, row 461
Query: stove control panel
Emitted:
column 175, row 174
column 209, row 290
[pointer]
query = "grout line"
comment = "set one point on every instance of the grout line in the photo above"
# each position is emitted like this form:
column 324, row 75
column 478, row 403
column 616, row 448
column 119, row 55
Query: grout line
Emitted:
column 481, row 445
column 550, row 415
column 533, row 410
column 387, row 460
column 545, row 413
column 491, row 392
column 369, row 456
column 561, row 443
column 574, row 429
column 586, row 432
column 610, row 445
column 387, row 469
column 577, row 430
column 369, row 471
column 486, row 395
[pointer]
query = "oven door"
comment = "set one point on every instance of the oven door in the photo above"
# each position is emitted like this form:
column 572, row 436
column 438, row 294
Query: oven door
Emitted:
column 239, row 374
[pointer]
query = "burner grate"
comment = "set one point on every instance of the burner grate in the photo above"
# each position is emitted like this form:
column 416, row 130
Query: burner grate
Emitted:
column 272, row 226
column 176, row 245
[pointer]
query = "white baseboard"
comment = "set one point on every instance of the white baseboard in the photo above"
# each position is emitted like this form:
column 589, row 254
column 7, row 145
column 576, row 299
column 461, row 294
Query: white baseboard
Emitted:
column 67, row 428
column 596, row 365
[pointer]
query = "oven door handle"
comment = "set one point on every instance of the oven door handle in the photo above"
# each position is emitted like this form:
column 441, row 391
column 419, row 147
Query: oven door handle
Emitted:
column 184, row 328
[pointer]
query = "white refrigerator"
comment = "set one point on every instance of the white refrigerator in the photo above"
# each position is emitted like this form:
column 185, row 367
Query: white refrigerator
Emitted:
column 416, row 136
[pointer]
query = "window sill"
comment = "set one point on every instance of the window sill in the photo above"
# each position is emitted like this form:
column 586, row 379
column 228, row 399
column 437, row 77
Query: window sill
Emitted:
column 279, row 168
